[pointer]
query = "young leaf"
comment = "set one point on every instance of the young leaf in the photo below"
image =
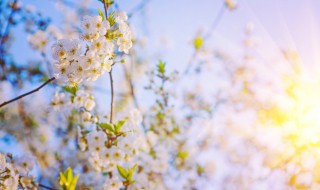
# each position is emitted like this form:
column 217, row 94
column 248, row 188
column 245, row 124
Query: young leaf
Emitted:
column 71, row 89
column 183, row 155
column 106, row 126
column 122, row 122
column 119, row 124
column 110, row 2
column 73, row 183
column 67, row 181
column 133, row 169
column 161, row 67
column 198, row 42
column 68, row 174
column 200, row 170
column 123, row 172
column 111, row 19
column 101, row 14
column 130, row 173
column 63, row 180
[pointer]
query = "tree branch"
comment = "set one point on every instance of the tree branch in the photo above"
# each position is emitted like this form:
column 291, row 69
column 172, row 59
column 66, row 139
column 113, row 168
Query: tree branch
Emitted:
column 106, row 6
column 112, row 97
column 46, row 187
column 28, row 93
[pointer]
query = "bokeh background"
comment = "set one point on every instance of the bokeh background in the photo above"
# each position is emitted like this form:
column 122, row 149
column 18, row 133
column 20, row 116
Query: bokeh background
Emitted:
column 251, row 89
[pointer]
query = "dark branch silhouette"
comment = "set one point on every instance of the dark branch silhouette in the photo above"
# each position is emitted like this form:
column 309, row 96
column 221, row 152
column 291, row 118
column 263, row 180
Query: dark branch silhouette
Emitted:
column 28, row 93
column 46, row 187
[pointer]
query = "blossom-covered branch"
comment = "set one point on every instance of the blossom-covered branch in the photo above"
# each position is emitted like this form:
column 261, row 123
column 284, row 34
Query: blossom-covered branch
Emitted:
column 106, row 7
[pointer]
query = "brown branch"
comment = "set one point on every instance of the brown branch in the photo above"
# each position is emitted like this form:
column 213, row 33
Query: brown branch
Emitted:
column 28, row 93
column 106, row 6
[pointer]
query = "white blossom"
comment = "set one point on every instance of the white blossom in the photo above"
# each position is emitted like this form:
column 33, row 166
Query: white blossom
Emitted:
column 113, row 184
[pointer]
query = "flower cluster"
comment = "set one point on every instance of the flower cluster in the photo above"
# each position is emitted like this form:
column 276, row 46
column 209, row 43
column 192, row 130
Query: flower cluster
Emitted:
column 81, row 99
column 84, row 99
column 40, row 39
column 110, row 146
column 74, row 63
column 60, row 100
column 14, row 172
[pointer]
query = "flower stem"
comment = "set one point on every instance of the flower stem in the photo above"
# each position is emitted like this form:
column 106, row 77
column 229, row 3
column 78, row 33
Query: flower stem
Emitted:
column 112, row 97
column 106, row 7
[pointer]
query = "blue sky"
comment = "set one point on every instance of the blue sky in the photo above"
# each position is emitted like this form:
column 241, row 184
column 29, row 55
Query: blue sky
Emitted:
column 287, row 23
column 292, row 24
column 278, row 24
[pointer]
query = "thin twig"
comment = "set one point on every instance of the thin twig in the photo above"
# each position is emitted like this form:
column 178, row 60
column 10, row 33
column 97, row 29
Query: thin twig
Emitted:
column 112, row 97
column 28, row 93
column 102, row 90
column 46, row 187
column 106, row 6
column 213, row 26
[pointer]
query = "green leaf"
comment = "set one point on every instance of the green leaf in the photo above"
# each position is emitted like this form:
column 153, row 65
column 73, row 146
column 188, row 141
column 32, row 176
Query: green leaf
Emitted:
column 198, row 42
column 106, row 126
column 71, row 89
column 67, row 181
column 133, row 169
column 101, row 14
column 73, row 183
column 152, row 153
column 112, row 19
column 123, row 172
column 130, row 173
column 63, row 180
column 183, row 154
column 119, row 124
column 122, row 122
column 200, row 170
column 68, row 174
column 161, row 67
column 110, row 2
column 132, row 181
column 129, row 177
